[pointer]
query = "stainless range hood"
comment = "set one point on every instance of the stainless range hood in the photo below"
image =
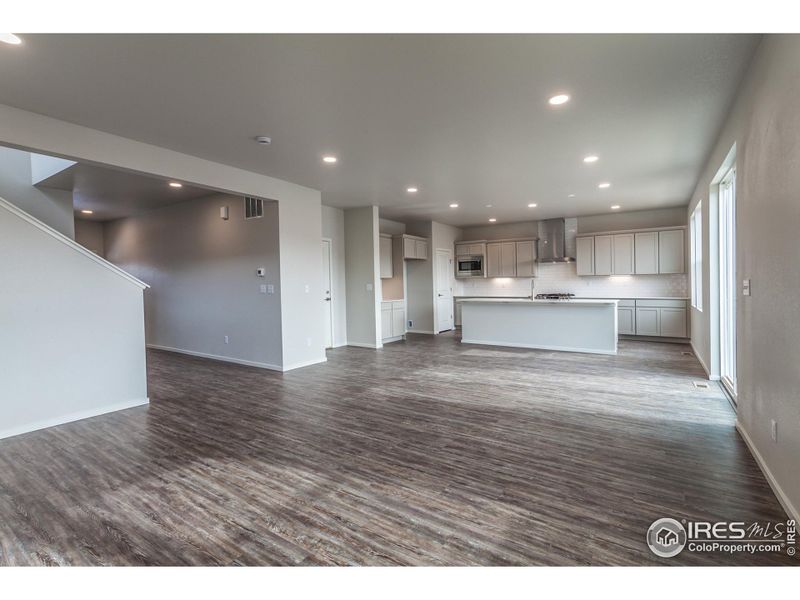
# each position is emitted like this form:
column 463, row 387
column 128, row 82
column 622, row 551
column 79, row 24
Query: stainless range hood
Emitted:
column 557, row 240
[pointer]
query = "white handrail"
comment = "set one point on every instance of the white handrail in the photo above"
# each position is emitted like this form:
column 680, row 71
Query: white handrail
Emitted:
column 70, row 242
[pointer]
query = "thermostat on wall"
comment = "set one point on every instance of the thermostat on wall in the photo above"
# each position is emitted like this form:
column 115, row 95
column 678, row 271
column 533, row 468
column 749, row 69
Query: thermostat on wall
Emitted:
column 261, row 271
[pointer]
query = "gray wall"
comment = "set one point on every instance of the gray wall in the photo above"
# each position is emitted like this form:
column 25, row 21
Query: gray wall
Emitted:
column 362, row 270
column 764, row 123
column 635, row 219
column 202, row 273
column 522, row 229
column 333, row 229
column 89, row 234
column 419, row 284
column 72, row 331
column 52, row 207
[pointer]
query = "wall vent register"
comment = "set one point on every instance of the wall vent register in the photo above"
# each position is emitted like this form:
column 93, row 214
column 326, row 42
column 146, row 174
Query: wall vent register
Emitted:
column 253, row 208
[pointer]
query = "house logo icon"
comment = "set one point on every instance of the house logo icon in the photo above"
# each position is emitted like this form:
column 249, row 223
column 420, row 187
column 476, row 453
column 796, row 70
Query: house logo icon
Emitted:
column 666, row 537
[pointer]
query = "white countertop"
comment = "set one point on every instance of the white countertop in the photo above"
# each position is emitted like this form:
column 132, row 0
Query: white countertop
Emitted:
column 571, row 302
column 461, row 298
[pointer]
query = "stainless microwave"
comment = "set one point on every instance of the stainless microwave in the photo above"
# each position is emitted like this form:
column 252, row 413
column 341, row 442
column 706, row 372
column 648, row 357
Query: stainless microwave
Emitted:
column 469, row 265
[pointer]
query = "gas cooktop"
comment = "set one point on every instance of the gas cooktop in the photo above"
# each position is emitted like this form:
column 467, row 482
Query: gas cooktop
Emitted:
column 555, row 296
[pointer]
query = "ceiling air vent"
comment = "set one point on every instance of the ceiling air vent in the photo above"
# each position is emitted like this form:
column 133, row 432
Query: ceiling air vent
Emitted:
column 253, row 208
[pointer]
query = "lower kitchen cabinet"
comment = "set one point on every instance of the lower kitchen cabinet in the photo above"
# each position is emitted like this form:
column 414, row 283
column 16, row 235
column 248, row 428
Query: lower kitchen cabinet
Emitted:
column 393, row 320
column 626, row 317
column 673, row 322
column 648, row 321
column 661, row 318
column 386, row 320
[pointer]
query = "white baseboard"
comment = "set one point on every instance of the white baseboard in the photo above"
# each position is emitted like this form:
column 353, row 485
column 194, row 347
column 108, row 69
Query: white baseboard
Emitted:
column 69, row 418
column 396, row 338
column 790, row 509
column 307, row 363
column 538, row 347
column 702, row 363
column 238, row 361
column 364, row 345
column 340, row 345
column 425, row 331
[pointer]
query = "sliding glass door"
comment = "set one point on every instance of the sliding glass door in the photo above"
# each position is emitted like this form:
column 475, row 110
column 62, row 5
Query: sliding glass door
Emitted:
column 727, row 280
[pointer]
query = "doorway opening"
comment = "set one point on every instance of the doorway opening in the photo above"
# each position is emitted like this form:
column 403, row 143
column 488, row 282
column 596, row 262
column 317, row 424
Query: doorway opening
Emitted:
column 327, row 297
column 444, row 290
column 727, row 281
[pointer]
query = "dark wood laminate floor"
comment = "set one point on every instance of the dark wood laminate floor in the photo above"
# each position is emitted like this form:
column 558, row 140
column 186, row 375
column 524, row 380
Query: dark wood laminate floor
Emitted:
column 427, row 452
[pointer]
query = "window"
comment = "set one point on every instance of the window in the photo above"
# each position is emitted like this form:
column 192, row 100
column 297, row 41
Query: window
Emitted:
column 727, row 281
column 696, row 251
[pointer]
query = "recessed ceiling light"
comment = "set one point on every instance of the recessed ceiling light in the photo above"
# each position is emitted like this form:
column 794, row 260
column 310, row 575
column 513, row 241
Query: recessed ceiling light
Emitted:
column 454, row 205
column 591, row 158
column 571, row 196
column 87, row 212
column 412, row 190
column 329, row 159
column 603, row 186
column 559, row 99
column 492, row 220
column 615, row 207
column 488, row 206
column 175, row 184
column 10, row 38
column 532, row 205
column 264, row 140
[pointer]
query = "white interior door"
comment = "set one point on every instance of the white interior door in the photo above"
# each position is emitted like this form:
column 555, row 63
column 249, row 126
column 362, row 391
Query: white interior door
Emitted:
column 327, row 299
column 444, row 289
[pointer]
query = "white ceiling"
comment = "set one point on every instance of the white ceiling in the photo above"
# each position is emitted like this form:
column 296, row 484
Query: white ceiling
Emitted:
column 112, row 194
column 463, row 118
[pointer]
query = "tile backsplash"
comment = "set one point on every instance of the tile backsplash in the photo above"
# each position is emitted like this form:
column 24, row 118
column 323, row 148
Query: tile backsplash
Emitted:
column 563, row 277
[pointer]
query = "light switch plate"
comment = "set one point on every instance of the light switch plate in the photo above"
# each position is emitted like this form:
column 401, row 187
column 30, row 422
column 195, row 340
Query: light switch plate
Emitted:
column 270, row 289
column 369, row 287
column 745, row 287
column 263, row 289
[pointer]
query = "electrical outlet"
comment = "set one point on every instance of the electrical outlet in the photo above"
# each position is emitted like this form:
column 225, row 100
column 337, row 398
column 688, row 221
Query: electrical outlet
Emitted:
column 308, row 289
column 774, row 430
column 226, row 339
column 411, row 323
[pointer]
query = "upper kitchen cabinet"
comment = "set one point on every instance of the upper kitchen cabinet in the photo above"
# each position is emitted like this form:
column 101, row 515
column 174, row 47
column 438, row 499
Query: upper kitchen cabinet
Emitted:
column 585, row 255
column 646, row 246
column 501, row 259
column 414, row 248
column 642, row 252
column 470, row 249
column 623, row 254
column 387, row 272
column 671, row 251
column 604, row 255
column 526, row 259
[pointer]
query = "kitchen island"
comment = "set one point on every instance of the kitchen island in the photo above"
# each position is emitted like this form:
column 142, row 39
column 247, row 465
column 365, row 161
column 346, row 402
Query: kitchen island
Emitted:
column 566, row 325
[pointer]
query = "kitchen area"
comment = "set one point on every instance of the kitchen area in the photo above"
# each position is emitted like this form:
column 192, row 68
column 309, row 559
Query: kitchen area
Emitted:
column 574, row 286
